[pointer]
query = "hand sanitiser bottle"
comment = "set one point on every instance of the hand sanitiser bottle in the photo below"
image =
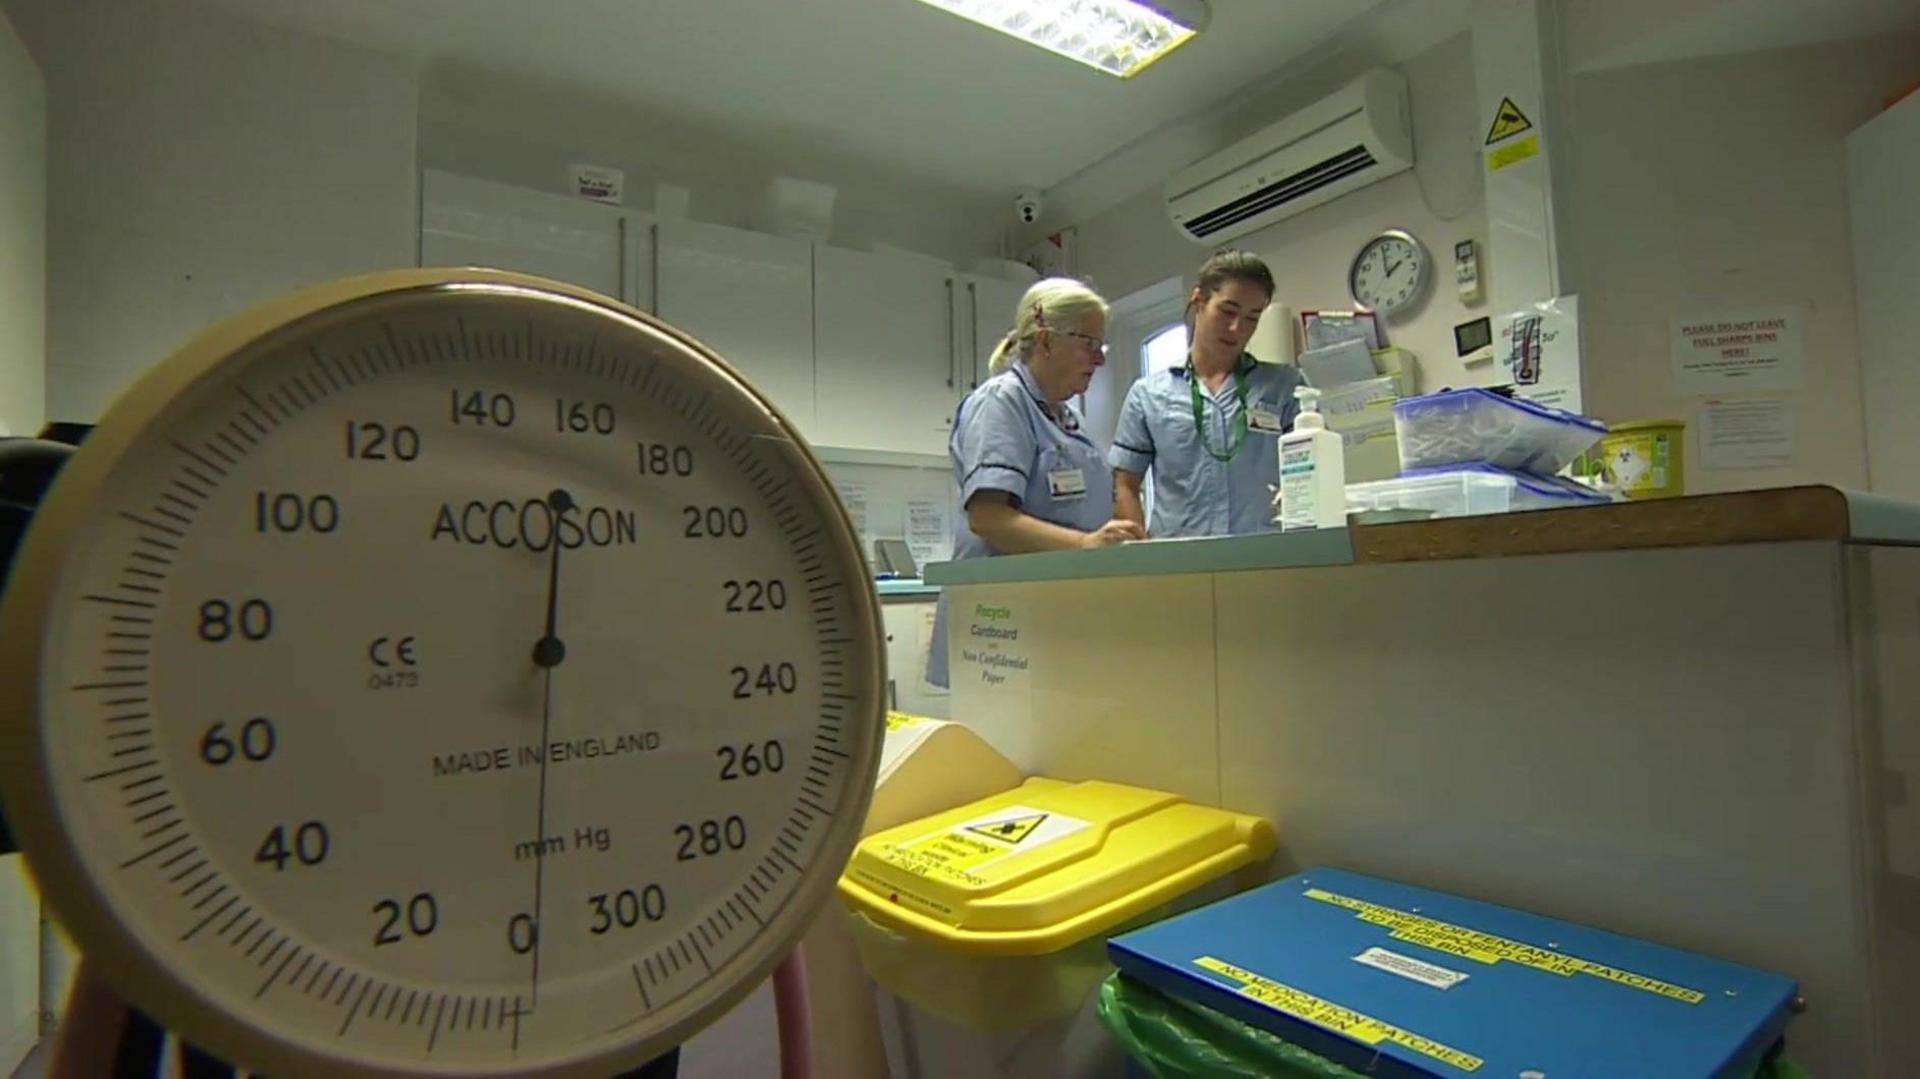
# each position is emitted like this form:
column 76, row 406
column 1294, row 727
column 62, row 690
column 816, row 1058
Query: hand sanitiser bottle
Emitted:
column 1313, row 470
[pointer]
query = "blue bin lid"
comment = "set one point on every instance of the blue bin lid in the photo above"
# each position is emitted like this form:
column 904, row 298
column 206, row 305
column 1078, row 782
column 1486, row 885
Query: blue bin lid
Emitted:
column 1395, row 980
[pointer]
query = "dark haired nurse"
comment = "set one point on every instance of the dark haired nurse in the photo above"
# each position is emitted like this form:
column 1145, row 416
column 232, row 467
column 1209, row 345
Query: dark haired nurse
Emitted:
column 1208, row 430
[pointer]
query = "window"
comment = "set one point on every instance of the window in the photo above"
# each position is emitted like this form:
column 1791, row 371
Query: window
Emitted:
column 1164, row 350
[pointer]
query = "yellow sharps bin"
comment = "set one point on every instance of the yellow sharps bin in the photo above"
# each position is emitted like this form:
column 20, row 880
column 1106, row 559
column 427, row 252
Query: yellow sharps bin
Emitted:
column 995, row 915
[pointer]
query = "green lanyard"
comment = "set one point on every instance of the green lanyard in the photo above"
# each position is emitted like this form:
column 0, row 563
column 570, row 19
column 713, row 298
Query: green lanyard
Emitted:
column 1239, row 435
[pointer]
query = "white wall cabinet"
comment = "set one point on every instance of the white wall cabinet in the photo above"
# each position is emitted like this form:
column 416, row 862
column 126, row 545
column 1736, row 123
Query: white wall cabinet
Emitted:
column 469, row 222
column 861, row 350
column 986, row 312
column 749, row 297
column 887, row 360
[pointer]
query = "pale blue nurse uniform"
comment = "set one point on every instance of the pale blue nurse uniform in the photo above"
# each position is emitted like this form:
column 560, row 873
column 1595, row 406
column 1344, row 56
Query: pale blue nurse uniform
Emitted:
column 1194, row 492
column 1003, row 440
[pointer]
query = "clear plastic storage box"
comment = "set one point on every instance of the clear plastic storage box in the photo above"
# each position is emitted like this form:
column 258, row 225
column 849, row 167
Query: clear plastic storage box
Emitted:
column 1475, row 425
column 1470, row 490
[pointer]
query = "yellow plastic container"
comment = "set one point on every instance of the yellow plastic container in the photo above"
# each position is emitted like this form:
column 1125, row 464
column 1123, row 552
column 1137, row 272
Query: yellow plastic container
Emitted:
column 1643, row 460
column 995, row 915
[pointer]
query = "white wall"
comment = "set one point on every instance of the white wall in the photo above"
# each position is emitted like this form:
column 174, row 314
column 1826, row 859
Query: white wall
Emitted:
column 1720, row 183
column 23, row 235
column 1883, row 177
column 518, row 132
column 199, row 164
column 1440, row 200
column 886, row 484
column 1597, row 31
column 23, row 189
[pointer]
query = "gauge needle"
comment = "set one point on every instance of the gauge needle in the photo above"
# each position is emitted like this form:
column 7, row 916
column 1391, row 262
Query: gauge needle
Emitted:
column 548, row 651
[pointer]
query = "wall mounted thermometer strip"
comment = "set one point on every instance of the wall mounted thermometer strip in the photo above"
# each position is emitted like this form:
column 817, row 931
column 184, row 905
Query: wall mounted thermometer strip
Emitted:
column 441, row 672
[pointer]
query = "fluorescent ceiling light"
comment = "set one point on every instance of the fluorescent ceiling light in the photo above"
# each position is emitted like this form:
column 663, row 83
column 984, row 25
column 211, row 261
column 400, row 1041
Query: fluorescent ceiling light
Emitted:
column 1120, row 37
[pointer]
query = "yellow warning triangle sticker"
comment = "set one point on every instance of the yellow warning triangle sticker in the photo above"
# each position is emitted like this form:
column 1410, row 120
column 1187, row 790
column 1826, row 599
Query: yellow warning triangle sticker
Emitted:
column 1010, row 831
column 1508, row 121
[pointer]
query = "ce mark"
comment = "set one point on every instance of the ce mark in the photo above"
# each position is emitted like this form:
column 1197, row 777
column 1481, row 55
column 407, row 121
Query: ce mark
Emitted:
column 391, row 652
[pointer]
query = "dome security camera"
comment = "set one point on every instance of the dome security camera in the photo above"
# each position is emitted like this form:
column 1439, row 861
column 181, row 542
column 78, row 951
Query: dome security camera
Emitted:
column 1026, row 205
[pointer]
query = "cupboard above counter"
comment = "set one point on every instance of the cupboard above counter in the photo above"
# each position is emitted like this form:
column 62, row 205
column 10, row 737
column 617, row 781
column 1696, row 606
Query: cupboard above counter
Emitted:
column 884, row 366
column 863, row 350
column 990, row 303
column 746, row 295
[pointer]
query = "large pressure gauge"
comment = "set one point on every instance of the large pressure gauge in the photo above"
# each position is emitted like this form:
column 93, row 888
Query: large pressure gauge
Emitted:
column 443, row 672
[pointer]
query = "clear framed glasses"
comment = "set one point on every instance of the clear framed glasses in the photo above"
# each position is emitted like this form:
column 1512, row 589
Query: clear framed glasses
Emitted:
column 1093, row 342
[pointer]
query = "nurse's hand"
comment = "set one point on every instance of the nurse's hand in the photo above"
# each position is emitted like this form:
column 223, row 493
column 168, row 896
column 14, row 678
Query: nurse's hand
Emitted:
column 1114, row 531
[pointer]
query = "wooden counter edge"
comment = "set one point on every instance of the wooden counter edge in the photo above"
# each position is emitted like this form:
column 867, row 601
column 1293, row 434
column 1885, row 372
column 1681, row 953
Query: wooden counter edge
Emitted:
column 1767, row 516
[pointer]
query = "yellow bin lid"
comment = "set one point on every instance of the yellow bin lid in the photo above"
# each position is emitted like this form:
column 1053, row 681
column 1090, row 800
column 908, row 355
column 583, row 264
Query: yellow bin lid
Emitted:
column 1045, row 865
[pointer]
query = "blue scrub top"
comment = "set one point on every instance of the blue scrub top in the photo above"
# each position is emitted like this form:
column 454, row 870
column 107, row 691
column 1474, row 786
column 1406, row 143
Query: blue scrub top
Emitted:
column 1003, row 440
column 1193, row 493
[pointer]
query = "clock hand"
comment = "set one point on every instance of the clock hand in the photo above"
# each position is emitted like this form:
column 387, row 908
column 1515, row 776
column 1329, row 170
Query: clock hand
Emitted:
column 548, row 652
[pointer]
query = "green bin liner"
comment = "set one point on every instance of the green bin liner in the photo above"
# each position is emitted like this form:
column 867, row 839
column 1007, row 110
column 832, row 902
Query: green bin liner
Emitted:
column 1177, row 1039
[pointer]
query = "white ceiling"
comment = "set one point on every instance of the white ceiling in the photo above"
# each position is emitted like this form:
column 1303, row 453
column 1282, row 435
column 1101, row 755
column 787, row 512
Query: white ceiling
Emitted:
column 1724, row 27
column 895, row 82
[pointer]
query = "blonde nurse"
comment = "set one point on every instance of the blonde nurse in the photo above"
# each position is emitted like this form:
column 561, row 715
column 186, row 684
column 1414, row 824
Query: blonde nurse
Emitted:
column 1030, row 478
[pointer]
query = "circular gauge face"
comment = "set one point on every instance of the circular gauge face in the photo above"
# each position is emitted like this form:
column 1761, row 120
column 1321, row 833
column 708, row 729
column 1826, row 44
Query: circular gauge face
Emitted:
column 446, row 672
column 1390, row 273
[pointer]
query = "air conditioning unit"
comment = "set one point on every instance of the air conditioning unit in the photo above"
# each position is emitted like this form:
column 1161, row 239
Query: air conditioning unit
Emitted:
column 1356, row 137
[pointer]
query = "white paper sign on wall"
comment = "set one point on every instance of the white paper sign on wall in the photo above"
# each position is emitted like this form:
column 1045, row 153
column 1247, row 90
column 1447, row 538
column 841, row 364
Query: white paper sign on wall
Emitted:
column 597, row 182
column 1762, row 348
column 1538, row 348
column 928, row 535
column 1745, row 432
column 854, row 497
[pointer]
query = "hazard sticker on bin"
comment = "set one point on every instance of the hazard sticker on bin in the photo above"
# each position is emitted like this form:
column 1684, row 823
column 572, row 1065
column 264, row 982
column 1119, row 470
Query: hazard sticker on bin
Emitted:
column 960, row 851
column 1011, row 830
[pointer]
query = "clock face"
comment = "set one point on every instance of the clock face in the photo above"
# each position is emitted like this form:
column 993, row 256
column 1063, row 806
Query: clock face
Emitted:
column 1390, row 273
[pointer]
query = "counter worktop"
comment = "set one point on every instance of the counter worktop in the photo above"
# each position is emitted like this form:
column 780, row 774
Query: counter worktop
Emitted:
column 1766, row 516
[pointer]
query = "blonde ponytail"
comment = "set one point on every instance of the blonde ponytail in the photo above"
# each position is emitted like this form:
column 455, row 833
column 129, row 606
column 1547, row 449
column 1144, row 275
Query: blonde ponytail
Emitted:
column 1002, row 355
column 1054, row 303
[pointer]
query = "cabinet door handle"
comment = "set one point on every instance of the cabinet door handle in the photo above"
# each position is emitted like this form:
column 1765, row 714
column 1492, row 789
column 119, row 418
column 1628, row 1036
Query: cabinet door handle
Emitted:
column 952, row 363
column 653, row 235
column 973, row 312
column 622, row 256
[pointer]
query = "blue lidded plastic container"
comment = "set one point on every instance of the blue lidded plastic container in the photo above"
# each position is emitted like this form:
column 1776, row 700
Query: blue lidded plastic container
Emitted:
column 1474, row 425
column 1469, row 491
